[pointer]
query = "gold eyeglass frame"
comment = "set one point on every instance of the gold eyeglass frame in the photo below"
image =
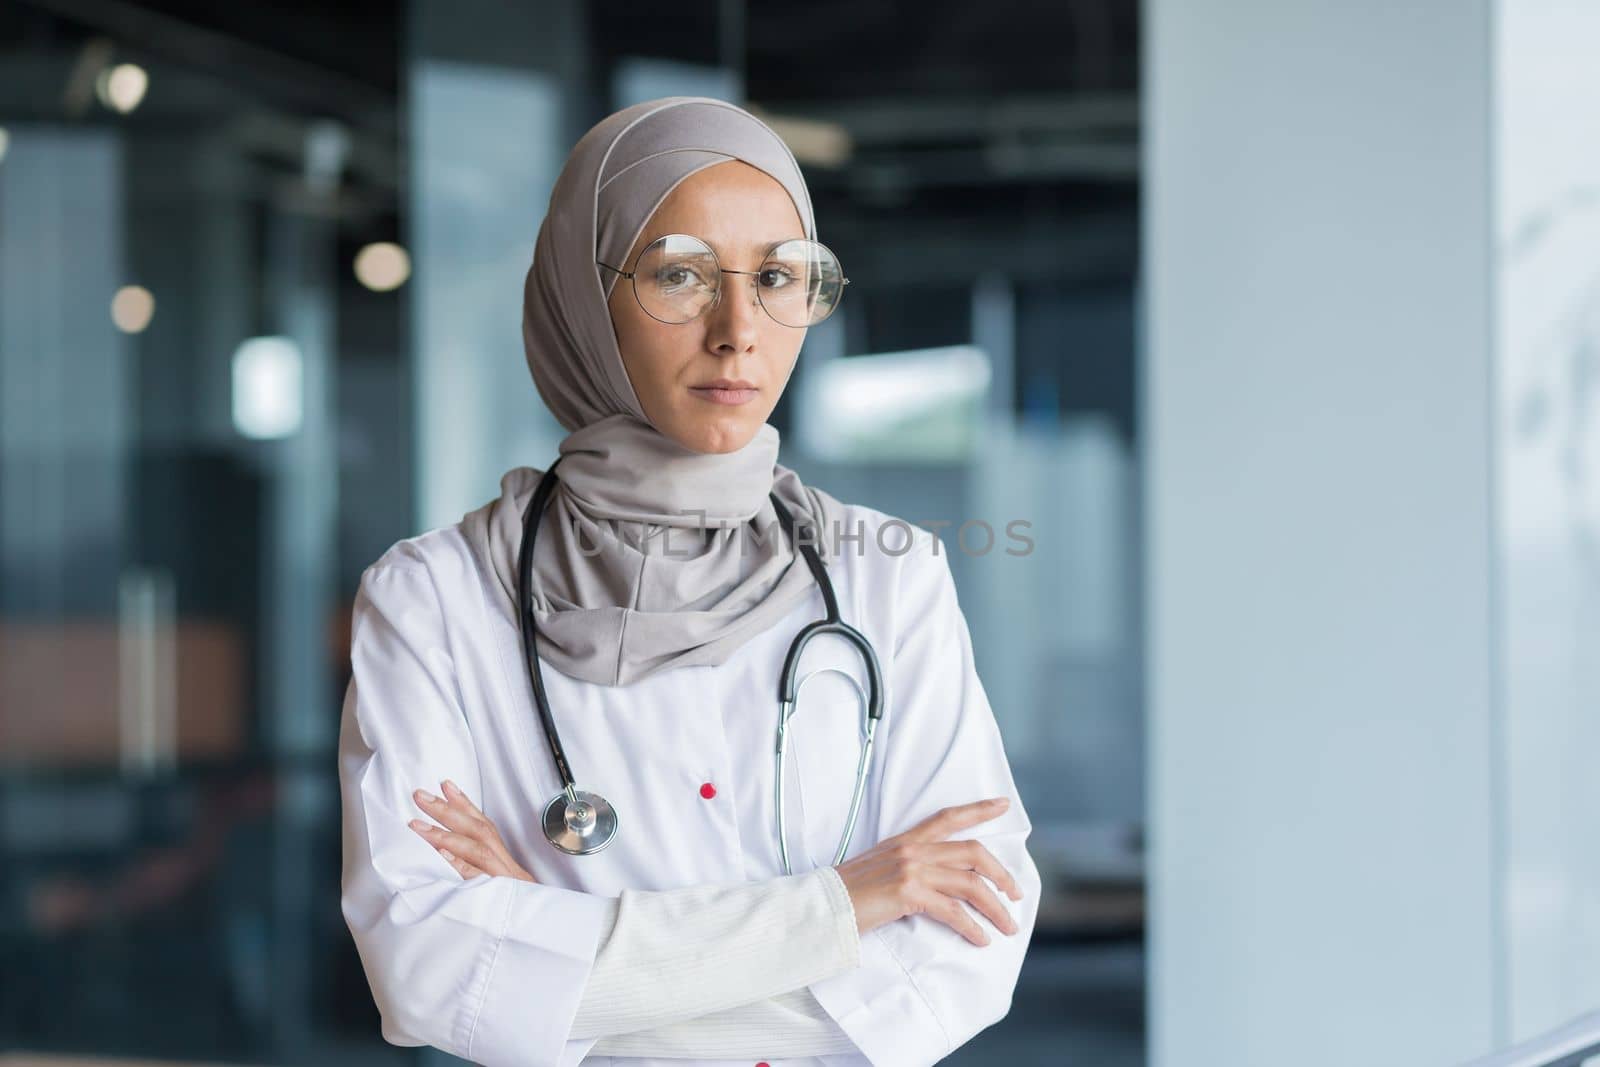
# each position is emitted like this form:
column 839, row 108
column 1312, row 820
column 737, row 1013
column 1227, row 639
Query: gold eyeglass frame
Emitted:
column 629, row 274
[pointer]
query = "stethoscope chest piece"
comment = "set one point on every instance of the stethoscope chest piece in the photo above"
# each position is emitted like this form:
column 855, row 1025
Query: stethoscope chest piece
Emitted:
column 579, row 824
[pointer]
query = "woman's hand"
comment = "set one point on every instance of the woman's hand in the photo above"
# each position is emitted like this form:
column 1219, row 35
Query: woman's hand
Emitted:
column 918, row 872
column 471, row 844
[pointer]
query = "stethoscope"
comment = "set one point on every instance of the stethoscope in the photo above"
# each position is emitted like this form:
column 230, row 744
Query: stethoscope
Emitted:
column 581, row 823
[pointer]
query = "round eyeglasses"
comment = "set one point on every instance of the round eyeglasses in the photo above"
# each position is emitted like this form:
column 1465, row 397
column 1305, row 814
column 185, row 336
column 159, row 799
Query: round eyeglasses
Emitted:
column 677, row 277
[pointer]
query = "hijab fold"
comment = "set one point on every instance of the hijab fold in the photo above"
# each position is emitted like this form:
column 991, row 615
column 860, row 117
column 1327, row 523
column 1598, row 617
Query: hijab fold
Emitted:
column 649, row 555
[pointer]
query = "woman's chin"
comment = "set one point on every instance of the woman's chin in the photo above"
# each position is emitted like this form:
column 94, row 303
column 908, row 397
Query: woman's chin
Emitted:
column 723, row 433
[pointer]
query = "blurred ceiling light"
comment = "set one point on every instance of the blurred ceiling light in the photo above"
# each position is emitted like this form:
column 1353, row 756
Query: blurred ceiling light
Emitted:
column 383, row 266
column 824, row 144
column 122, row 87
column 921, row 405
column 5, row 142
column 899, row 385
column 266, row 387
column 132, row 308
column 327, row 151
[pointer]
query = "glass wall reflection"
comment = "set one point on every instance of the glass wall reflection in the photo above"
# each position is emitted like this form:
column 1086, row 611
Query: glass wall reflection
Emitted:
column 191, row 369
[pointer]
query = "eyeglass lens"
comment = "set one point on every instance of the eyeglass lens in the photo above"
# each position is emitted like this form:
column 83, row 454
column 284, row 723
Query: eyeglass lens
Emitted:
column 677, row 278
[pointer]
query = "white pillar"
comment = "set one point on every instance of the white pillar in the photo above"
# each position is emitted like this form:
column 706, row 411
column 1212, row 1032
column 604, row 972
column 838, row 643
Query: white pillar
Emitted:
column 66, row 374
column 1547, row 447
column 496, row 95
column 1325, row 739
column 1373, row 397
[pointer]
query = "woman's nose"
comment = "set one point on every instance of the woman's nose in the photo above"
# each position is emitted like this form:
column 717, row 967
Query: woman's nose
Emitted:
column 732, row 319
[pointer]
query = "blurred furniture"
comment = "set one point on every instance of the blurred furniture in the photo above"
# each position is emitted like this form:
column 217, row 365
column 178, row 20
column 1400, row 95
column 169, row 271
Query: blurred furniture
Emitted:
column 80, row 694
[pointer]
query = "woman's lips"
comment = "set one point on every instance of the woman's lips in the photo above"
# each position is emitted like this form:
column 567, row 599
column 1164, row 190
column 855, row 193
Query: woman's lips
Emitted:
column 724, row 396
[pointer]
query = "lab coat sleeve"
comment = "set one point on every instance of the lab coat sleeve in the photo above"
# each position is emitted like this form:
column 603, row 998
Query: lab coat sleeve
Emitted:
column 677, row 956
column 922, row 989
column 488, row 968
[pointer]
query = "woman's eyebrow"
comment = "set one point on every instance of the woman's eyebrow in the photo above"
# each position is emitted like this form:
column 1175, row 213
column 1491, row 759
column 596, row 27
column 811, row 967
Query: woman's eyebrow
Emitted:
column 768, row 245
column 755, row 248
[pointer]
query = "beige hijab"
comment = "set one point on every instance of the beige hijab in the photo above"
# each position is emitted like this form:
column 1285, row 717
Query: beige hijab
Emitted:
column 649, row 555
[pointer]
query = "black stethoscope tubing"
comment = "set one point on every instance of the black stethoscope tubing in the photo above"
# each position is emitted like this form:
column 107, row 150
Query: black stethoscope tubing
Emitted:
column 832, row 623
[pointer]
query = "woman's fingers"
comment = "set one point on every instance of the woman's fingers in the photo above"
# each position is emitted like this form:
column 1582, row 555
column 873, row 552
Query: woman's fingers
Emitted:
column 463, row 868
column 453, row 809
column 468, row 839
column 970, row 886
column 974, row 855
column 949, row 911
column 460, row 844
column 919, row 871
column 459, row 814
column 485, row 857
column 946, row 821
column 454, row 794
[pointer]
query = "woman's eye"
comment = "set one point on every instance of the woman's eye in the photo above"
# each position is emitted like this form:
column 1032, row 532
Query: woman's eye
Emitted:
column 677, row 277
column 776, row 277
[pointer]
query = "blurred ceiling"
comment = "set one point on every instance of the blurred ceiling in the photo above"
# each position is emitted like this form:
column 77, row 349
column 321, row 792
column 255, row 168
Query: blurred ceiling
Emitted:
column 1013, row 125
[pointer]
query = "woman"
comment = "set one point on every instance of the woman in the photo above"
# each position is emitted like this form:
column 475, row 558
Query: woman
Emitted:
column 661, row 324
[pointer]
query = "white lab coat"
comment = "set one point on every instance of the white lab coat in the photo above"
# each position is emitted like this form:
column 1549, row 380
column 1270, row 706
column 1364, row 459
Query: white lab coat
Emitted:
column 492, row 969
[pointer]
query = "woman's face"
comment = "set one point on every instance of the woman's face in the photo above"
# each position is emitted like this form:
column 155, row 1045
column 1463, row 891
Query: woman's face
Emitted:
column 740, row 212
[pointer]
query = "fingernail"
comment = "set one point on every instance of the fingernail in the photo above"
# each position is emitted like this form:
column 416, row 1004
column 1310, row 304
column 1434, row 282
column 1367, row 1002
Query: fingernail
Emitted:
column 451, row 786
column 1000, row 800
column 447, row 854
column 424, row 795
column 418, row 824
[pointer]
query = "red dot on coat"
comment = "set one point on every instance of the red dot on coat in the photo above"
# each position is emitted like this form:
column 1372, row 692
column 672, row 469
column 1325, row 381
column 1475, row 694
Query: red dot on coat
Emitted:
column 708, row 791
column 763, row 1063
